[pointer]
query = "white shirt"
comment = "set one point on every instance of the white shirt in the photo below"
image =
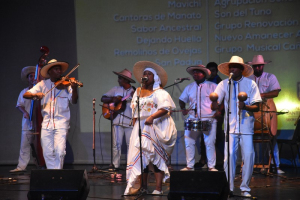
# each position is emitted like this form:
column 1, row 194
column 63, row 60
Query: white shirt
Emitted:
column 25, row 103
column 244, row 123
column 55, row 105
column 120, row 91
column 266, row 82
column 198, row 95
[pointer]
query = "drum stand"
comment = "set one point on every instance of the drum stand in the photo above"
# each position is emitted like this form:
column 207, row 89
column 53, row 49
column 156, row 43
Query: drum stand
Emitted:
column 266, row 137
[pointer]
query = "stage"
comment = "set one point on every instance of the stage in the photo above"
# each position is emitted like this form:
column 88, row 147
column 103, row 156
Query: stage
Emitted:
column 102, row 186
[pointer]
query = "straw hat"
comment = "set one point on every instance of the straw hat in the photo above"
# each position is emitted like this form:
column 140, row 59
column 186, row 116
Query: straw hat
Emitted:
column 201, row 68
column 258, row 60
column 224, row 67
column 25, row 71
column 125, row 73
column 139, row 67
column 52, row 63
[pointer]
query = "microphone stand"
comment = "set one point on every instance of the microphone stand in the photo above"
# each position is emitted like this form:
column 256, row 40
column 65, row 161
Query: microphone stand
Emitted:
column 173, row 84
column 227, row 137
column 94, row 169
column 142, row 191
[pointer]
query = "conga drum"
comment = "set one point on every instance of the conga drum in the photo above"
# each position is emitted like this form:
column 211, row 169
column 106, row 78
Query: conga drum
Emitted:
column 267, row 112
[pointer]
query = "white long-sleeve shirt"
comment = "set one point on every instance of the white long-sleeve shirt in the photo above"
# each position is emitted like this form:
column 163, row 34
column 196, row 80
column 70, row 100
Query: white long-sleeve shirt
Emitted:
column 55, row 105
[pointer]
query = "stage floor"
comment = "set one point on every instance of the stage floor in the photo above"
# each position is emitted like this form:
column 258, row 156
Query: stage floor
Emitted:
column 102, row 186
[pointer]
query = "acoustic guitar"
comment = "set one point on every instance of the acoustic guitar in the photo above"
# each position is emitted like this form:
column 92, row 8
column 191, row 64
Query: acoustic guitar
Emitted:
column 114, row 109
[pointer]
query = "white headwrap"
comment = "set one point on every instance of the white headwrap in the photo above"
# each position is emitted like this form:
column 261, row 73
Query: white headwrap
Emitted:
column 157, row 81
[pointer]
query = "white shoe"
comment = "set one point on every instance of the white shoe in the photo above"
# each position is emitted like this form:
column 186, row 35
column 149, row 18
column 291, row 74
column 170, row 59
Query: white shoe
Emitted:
column 204, row 166
column 17, row 170
column 279, row 171
column 246, row 194
column 156, row 192
column 213, row 169
column 187, row 169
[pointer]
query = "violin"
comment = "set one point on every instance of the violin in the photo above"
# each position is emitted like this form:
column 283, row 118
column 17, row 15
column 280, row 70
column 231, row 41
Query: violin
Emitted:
column 67, row 81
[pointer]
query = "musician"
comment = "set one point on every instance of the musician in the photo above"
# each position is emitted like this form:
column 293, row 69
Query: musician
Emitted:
column 241, row 120
column 27, row 75
column 55, row 112
column 158, row 128
column 197, row 95
column 269, row 87
column 121, row 124
column 213, row 68
column 214, row 77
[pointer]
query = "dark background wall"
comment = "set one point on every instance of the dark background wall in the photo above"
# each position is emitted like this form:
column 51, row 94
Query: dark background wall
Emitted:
column 25, row 27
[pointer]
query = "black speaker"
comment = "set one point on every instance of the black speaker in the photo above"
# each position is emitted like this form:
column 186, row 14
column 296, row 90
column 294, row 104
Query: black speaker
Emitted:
column 58, row 184
column 202, row 185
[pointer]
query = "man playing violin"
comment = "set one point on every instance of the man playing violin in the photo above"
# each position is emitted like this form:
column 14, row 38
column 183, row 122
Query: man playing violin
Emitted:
column 121, row 122
column 55, row 112
column 197, row 95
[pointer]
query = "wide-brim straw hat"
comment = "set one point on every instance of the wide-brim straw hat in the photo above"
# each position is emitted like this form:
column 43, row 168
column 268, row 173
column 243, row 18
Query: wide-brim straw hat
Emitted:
column 258, row 60
column 224, row 67
column 27, row 70
column 139, row 67
column 125, row 73
column 52, row 63
column 199, row 67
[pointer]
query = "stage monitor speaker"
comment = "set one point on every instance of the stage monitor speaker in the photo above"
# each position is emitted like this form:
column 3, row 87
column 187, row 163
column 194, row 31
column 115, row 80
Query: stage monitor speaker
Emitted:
column 201, row 185
column 58, row 184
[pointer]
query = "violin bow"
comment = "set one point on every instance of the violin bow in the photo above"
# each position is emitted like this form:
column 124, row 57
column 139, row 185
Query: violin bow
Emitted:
column 72, row 70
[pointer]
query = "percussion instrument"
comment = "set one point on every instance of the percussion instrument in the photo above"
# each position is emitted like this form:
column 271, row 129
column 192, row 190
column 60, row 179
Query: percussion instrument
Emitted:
column 266, row 118
column 197, row 125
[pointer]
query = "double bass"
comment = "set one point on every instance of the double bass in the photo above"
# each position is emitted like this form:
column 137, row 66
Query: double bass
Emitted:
column 36, row 117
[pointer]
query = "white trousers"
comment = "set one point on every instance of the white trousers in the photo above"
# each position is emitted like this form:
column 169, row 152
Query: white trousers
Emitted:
column 118, row 134
column 247, row 149
column 53, row 142
column 24, row 157
column 190, row 138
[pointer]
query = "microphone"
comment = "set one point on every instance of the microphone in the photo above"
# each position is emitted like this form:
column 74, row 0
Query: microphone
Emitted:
column 230, row 75
column 182, row 79
column 144, row 79
column 281, row 113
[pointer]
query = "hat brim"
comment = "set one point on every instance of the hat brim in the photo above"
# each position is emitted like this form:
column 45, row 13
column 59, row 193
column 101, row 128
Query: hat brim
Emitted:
column 45, row 69
column 27, row 70
column 259, row 63
column 201, row 68
column 224, row 68
column 139, row 67
column 126, row 77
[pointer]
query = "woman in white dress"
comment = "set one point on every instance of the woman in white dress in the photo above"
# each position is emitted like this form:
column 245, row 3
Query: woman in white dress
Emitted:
column 157, row 126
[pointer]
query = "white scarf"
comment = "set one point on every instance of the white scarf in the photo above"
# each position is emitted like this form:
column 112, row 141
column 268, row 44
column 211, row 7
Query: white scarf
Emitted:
column 157, row 81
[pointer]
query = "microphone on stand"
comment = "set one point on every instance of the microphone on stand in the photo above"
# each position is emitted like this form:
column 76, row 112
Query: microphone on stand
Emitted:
column 182, row 79
column 230, row 75
column 144, row 79
column 94, row 100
